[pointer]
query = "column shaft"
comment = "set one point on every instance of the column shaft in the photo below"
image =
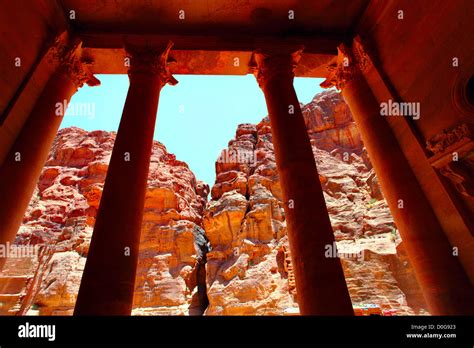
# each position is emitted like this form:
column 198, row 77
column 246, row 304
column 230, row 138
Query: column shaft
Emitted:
column 445, row 286
column 23, row 165
column 108, row 280
column 320, row 283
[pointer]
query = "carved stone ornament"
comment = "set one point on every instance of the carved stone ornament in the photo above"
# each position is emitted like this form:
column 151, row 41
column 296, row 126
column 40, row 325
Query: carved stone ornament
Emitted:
column 361, row 56
column 152, row 60
column 67, row 52
column 454, row 157
column 460, row 176
column 266, row 64
column 341, row 70
column 447, row 138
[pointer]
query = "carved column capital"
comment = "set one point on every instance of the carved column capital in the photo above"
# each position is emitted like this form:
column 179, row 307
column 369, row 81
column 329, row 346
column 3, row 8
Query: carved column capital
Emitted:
column 349, row 62
column 267, row 64
column 67, row 52
column 151, row 60
column 341, row 70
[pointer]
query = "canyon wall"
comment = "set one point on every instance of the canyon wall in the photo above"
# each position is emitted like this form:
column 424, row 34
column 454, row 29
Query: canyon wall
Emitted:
column 60, row 220
column 249, row 268
column 228, row 256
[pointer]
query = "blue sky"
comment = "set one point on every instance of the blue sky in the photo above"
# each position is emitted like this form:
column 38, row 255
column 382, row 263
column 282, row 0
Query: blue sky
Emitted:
column 196, row 118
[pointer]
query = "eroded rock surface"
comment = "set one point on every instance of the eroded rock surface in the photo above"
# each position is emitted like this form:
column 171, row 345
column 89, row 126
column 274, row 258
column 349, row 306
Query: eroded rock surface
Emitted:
column 228, row 256
column 62, row 213
column 249, row 268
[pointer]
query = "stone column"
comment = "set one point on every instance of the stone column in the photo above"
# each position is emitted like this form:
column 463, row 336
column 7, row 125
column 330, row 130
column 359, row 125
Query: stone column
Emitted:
column 320, row 282
column 108, row 280
column 22, row 167
column 444, row 283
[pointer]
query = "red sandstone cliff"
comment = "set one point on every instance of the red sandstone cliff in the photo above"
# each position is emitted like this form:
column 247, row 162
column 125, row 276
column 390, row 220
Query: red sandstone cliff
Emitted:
column 248, row 269
column 61, row 215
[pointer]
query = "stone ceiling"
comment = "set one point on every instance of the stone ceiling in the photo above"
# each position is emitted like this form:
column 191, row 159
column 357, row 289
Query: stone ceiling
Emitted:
column 208, row 40
column 209, row 35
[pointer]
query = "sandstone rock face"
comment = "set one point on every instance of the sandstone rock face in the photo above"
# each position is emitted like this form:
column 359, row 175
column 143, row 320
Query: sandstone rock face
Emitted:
column 330, row 124
column 249, row 268
column 61, row 216
column 228, row 256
